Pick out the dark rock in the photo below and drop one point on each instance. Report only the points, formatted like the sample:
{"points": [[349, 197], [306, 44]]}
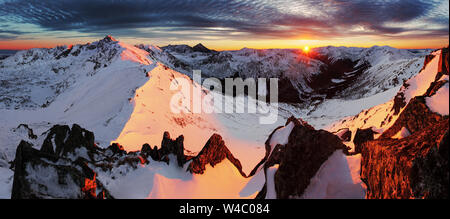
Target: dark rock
{"points": [[300, 159], [146, 148], [169, 146], [399, 102], [362, 136], [213, 153], [344, 134], [116, 148], [66, 140], [411, 167], [76, 180]]}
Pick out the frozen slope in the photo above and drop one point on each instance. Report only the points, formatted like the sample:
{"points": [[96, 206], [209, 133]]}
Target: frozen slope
{"points": [[122, 94], [128, 101]]}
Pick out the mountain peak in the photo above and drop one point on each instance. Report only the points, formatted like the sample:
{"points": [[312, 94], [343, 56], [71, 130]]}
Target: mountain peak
{"points": [[201, 48], [109, 38]]}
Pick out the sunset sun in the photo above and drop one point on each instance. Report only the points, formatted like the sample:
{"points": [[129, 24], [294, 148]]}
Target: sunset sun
{"points": [[223, 100], [306, 49]]}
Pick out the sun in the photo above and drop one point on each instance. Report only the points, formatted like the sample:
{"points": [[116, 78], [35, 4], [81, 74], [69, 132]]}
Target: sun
{"points": [[306, 49]]}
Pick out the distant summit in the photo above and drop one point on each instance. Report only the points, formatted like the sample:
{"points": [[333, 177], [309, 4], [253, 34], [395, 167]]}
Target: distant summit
{"points": [[187, 49], [201, 48], [109, 38]]}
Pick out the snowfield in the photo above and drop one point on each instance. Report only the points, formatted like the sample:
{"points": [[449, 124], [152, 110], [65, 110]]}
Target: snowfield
{"points": [[122, 94]]}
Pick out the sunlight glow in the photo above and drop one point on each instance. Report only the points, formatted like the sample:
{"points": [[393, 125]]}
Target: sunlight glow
{"points": [[306, 49]]}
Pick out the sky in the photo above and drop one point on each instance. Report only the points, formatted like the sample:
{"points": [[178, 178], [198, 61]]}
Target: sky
{"points": [[226, 25]]}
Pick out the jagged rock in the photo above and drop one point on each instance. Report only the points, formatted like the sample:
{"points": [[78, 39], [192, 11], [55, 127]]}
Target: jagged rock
{"points": [[116, 148], [412, 167], [300, 159], [66, 140], [146, 148], [362, 136], [213, 153], [27, 129], [415, 117], [38, 174], [153, 153], [344, 134], [169, 146]]}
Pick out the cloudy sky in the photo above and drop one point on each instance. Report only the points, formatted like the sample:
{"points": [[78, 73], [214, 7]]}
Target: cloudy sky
{"points": [[230, 24]]}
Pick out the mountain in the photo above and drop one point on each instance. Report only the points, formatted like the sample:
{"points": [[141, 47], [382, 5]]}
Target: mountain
{"points": [[329, 72], [95, 114], [404, 142]]}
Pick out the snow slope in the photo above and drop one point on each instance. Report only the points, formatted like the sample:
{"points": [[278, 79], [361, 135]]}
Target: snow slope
{"points": [[381, 116], [125, 100], [122, 93]]}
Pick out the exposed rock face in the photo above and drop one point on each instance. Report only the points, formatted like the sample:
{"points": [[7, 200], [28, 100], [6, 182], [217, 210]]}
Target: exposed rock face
{"points": [[412, 167], [361, 136], [415, 117], [415, 166], [344, 134], [168, 146], [62, 140], [213, 153], [300, 159], [66, 164], [42, 175]]}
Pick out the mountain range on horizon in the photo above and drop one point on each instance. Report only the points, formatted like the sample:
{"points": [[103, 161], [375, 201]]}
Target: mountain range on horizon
{"points": [[94, 121]]}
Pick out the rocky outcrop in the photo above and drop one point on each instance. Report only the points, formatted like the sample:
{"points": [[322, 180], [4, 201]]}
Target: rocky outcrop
{"points": [[300, 159], [412, 167], [362, 136], [168, 146], [38, 174], [61, 140], [213, 153], [344, 134], [415, 117], [66, 164]]}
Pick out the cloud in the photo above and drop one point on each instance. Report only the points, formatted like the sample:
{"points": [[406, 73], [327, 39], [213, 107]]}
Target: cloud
{"points": [[256, 18]]}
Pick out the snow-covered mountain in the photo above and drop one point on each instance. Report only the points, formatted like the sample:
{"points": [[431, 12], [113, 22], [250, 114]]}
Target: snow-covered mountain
{"points": [[121, 93], [349, 73]]}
